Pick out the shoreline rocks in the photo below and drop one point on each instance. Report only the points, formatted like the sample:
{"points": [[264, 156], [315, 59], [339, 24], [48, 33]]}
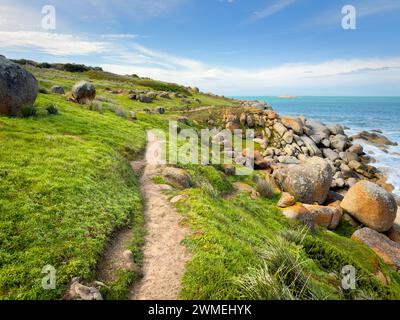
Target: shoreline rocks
{"points": [[371, 205]]}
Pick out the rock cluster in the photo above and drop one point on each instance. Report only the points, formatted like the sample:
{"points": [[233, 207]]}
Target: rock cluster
{"points": [[324, 176], [290, 140], [149, 96]]}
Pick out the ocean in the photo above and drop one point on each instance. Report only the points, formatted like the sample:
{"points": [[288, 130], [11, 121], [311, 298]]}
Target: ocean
{"points": [[356, 113]]}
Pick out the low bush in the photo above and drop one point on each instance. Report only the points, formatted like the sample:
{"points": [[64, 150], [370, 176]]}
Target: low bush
{"points": [[28, 112], [265, 188], [52, 110]]}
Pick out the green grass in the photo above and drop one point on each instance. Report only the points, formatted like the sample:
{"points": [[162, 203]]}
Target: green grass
{"points": [[65, 186], [66, 183], [233, 236]]}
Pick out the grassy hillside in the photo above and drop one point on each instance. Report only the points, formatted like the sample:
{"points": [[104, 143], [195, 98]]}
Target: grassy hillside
{"points": [[246, 249], [66, 183]]}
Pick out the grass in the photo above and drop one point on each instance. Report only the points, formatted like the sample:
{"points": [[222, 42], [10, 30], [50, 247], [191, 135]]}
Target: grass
{"points": [[66, 183], [246, 249], [66, 186]]}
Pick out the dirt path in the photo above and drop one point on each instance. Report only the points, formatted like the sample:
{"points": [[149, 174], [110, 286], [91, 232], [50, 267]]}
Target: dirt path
{"points": [[164, 255]]}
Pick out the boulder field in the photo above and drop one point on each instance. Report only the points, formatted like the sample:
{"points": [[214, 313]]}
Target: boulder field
{"points": [[324, 176]]}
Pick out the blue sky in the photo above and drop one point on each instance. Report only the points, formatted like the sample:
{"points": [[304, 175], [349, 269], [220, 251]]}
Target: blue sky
{"points": [[232, 47]]}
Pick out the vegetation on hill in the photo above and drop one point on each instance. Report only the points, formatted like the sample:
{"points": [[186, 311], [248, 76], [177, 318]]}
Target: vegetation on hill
{"points": [[67, 185]]}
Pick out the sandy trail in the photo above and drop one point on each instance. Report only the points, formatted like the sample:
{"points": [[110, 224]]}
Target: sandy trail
{"points": [[164, 256]]}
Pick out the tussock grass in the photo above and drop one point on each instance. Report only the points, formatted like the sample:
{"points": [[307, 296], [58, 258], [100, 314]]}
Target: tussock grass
{"points": [[281, 275]]}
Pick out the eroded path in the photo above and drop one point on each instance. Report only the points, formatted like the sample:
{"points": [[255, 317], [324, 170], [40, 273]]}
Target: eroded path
{"points": [[164, 256]]}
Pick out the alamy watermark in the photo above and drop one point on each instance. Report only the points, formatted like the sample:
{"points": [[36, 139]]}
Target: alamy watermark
{"points": [[49, 281], [49, 18], [205, 147], [349, 279], [349, 20]]}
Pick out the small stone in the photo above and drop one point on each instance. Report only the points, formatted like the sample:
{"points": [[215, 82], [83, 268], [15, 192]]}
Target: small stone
{"points": [[286, 200]]}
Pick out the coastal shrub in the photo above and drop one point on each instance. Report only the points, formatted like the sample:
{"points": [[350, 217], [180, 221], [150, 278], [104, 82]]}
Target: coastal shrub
{"points": [[121, 113], [280, 276], [217, 179], [96, 106], [297, 236], [75, 67], [208, 188], [332, 252], [28, 112], [265, 188], [162, 86], [103, 99], [52, 110]]}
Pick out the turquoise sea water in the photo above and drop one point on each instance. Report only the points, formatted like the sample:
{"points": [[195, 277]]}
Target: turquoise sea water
{"points": [[357, 113]]}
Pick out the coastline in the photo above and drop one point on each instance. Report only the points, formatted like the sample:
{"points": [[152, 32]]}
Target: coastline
{"points": [[356, 114]]}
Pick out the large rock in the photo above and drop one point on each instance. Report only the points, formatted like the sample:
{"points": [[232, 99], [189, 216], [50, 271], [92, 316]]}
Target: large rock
{"points": [[328, 217], [308, 182], [280, 129], [311, 146], [335, 129], [371, 205], [374, 138], [318, 128], [339, 142], [286, 200], [300, 213], [357, 149], [178, 176], [84, 92], [394, 233], [388, 250], [18, 88], [145, 99], [330, 154], [293, 123], [349, 156], [57, 90]]}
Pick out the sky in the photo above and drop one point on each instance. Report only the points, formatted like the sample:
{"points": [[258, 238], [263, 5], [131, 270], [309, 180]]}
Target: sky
{"points": [[230, 47]]}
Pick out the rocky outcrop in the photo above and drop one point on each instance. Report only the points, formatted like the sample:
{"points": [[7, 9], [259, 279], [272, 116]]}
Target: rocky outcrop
{"points": [[374, 138], [177, 176], [293, 140], [371, 205], [386, 249], [293, 123], [18, 88], [84, 92], [308, 182]]}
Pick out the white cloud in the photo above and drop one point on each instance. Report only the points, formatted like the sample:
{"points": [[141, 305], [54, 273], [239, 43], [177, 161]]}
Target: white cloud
{"points": [[50, 43], [271, 9], [18, 17], [339, 76]]}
